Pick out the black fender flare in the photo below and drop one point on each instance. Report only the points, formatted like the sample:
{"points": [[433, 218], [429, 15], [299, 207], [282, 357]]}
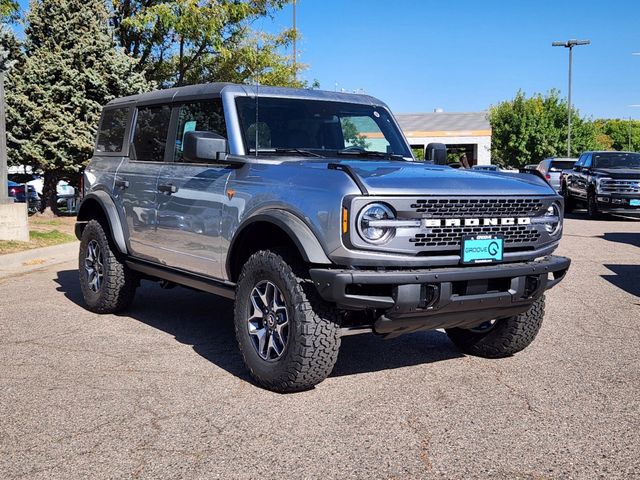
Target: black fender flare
{"points": [[111, 213], [297, 230]]}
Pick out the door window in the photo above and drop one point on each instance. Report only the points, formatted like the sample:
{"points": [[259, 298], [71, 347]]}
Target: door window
{"points": [[204, 116], [112, 128], [150, 135]]}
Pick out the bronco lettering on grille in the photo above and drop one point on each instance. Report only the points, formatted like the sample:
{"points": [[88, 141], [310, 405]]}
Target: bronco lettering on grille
{"points": [[474, 222]]}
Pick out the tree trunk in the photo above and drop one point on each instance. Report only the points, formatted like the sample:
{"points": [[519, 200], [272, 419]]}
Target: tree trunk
{"points": [[49, 191]]}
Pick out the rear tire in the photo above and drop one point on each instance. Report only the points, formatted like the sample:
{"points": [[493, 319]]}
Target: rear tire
{"points": [[504, 338], [569, 203], [288, 336], [107, 284]]}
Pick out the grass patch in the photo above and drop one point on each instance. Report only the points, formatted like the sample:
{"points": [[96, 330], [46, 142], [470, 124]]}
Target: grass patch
{"points": [[38, 239]]}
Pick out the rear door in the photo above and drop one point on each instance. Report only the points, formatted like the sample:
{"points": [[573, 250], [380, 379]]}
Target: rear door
{"points": [[136, 183], [193, 194]]}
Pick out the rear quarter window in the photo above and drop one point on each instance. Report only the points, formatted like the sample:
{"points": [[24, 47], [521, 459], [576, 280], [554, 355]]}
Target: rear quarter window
{"points": [[113, 126]]}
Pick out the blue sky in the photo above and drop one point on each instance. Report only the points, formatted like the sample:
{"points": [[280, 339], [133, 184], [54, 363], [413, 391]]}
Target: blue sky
{"points": [[467, 55]]}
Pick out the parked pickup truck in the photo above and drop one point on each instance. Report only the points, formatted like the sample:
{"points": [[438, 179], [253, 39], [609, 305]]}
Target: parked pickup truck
{"points": [[606, 182], [309, 210]]}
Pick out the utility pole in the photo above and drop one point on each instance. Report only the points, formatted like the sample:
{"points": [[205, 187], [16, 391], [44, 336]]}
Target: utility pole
{"points": [[4, 193], [295, 38], [570, 44]]}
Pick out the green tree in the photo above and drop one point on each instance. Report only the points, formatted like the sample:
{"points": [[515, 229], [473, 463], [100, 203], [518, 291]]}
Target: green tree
{"points": [[55, 93], [181, 42], [617, 134], [527, 130], [9, 10]]}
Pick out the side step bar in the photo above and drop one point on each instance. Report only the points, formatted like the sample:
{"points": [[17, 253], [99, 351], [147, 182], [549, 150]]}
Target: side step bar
{"points": [[197, 282]]}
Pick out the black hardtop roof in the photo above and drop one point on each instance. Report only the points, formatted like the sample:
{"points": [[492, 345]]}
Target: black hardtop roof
{"points": [[610, 151], [212, 90]]}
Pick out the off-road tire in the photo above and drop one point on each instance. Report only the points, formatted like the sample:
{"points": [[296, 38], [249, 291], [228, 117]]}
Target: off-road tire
{"points": [[119, 282], [507, 336], [569, 203], [592, 206], [313, 340]]}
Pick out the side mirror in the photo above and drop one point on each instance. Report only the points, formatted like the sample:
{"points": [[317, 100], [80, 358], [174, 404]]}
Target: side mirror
{"points": [[577, 168], [201, 146], [436, 153]]}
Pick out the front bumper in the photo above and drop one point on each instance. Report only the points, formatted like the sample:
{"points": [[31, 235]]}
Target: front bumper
{"points": [[617, 203], [427, 299]]}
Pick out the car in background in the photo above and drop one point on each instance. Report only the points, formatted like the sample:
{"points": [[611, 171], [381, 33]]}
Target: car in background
{"points": [[66, 194], [552, 168], [607, 182], [16, 191]]}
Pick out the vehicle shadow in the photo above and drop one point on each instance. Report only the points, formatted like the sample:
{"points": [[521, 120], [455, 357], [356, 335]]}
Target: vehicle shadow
{"points": [[205, 322], [626, 278], [609, 217], [622, 237]]}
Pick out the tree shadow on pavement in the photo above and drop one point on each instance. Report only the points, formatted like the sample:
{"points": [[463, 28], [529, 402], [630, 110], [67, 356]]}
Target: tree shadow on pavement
{"points": [[627, 278], [623, 237], [205, 322]]}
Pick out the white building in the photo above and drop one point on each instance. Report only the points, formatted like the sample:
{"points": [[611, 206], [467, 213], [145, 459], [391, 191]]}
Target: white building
{"points": [[468, 133]]}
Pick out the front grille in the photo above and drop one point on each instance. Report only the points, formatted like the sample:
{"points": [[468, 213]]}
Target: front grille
{"points": [[477, 207], [620, 186], [452, 236], [435, 226]]}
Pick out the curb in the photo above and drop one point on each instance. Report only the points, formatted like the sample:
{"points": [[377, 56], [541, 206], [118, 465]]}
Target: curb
{"points": [[29, 260]]}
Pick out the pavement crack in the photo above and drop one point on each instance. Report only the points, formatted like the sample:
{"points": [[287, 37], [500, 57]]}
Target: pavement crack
{"points": [[425, 442], [515, 392]]}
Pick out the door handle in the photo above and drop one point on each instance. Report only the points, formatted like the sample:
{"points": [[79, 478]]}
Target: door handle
{"points": [[167, 188], [121, 183]]}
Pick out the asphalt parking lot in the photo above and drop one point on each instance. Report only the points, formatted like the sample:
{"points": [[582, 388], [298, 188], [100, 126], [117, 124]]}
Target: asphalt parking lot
{"points": [[161, 391]]}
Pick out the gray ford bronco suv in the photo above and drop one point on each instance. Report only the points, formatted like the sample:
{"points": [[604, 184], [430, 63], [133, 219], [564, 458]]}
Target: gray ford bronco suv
{"points": [[309, 210]]}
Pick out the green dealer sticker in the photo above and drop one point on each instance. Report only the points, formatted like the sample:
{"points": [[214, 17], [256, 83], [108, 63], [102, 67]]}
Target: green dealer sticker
{"points": [[482, 249]]}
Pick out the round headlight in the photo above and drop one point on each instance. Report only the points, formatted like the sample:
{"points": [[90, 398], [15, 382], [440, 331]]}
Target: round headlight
{"points": [[367, 228], [553, 219]]}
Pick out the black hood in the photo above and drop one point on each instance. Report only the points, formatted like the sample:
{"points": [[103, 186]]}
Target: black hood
{"points": [[628, 173]]}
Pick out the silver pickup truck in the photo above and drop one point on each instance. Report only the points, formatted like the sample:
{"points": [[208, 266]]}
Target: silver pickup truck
{"points": [[308, 209]]}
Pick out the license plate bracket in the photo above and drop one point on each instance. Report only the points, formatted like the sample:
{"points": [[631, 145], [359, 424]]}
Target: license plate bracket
{"points": [[482, 249]]}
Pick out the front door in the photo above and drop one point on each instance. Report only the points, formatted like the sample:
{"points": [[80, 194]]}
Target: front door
{"points": [[136, 183], [193, 195]]}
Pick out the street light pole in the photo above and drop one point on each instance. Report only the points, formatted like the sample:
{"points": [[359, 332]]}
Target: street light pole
{"points": [[570, 44], [4, 193]]}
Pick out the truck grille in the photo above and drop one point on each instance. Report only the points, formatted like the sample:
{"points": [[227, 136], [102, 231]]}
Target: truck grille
{"points": [[477, 207], [452, 236], [620, 186], [435, 225]]}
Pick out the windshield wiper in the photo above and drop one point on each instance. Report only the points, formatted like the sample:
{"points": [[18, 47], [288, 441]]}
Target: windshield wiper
{"points": [[299, 151], [361, 152]]}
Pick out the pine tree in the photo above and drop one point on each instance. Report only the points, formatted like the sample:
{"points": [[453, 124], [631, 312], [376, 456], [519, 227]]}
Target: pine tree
{"points": [[71, 67]]}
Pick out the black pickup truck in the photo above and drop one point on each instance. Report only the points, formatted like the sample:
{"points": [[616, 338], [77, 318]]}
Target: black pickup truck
{"points": [[607, 182]]}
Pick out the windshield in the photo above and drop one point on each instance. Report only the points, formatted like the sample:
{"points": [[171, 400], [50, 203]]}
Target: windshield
{"points": [[562, 164], [321, 127], [616, 160]]}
